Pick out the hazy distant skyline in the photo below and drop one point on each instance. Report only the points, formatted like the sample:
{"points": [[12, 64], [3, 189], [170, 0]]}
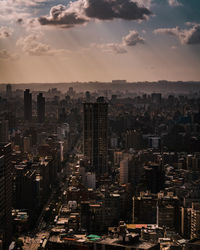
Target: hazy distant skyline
{"points": [[89, 40]]}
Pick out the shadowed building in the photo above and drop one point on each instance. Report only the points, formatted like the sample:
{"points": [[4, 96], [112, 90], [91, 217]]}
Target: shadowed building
{"points": [[95, 134], [5, 194], [154, 177], [145, 208], [8, 90], [40, 108], [27, 105], [4, 131]]}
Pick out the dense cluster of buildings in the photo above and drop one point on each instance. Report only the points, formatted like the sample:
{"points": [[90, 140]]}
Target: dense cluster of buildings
{"points": [[115, 172]]}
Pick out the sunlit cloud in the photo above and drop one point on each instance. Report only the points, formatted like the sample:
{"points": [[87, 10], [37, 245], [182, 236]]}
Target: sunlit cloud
{"points": [[132, 38], [111, 47], [66, 17], [186, 36], [31, 46], [5, 32], [174, 3], [144, 3]]}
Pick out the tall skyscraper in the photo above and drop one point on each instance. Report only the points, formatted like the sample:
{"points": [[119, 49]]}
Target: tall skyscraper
{"points": [[9, 90], [40, 107], [95, 134], [5, 194], [27, 105]]}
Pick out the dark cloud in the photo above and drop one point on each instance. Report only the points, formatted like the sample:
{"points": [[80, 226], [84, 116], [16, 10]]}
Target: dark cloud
{"points": [[20, 20], [68, 20], [82, 11], [193, 35], [186, 36], [107, 9]]}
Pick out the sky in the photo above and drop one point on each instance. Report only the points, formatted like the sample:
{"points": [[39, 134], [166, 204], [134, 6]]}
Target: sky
{"points": [[99, 40]]}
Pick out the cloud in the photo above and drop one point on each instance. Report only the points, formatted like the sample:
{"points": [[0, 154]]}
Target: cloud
{"points": [[117, 48], [174, 3], [106, 10], [111, 47], [82, 11], [29, 24], [25, 3], [5, 32], [190, 23], [170, 31], [61, 15], [12, 10], [20, 20], [186, 36], [144, 3], [32, 46], [132, 38], [6, 55]]}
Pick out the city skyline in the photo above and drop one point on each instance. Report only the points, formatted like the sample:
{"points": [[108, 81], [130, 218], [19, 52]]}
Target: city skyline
{"points": [[99, 168], [58, 41]]}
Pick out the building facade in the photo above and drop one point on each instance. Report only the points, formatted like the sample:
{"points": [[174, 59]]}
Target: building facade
{"points": [[40, 108], [27, 105], [5, 194], [95, 135]]}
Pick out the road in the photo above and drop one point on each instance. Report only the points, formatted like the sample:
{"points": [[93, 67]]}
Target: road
{"points": [[36, 237], [34, 243]]}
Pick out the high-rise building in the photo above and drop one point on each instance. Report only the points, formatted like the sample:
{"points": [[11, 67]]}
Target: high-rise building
{"points": [[27, 105], [5, 194], [4, 131], [154, 177], [40, 107], [26, 193], [195, 220], [95, 134], [168, 211], [186, 222], [8, 90], [145, 208], [124, 171]]}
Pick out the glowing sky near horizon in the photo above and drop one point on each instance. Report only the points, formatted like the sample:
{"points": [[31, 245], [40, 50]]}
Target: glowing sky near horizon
{"points": [[99, 40]]}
